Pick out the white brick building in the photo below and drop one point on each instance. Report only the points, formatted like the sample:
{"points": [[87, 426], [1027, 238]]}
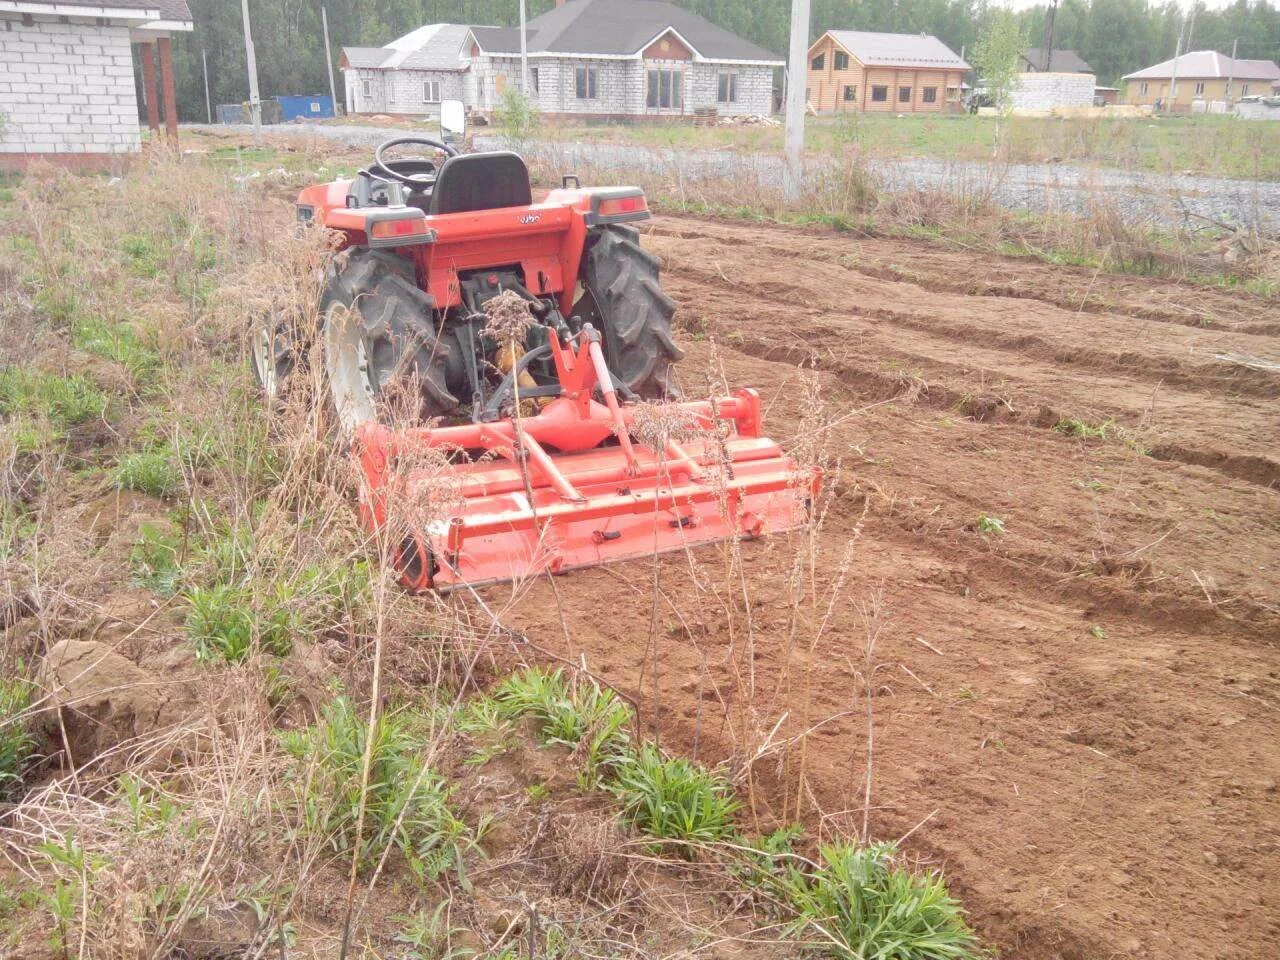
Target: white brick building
{"points": [[587, 58], [66, 76], [410, 75]]}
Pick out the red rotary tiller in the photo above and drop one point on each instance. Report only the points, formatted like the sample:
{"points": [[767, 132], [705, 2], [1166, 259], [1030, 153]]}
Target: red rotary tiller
{"points": [[572, 485]]}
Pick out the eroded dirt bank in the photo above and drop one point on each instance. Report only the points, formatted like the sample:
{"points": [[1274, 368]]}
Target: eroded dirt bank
{"points": [[1077, 717]]}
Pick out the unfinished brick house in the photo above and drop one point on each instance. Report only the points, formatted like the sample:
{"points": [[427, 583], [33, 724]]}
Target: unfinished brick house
{"points": [[605, 59], [66, 77], [853, 70]]}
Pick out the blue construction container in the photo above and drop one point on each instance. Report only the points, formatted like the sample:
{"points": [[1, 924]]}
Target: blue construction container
{"points": [[305, 108]]}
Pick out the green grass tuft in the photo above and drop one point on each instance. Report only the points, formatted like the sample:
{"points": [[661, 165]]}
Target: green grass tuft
{"points": [[225, 623], [153, 559], [17, 745], [63, 401], [861, 904], [406, 807], [152, 471], [1073, 427], [586, 717], [987, 524], [673, 798]]}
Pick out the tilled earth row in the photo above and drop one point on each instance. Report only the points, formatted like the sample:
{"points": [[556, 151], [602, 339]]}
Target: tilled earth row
{"points": [[1075, 717]]}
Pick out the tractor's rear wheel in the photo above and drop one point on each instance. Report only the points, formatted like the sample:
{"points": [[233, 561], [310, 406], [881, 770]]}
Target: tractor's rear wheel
{"points": [[381, 344], [624, 300], [271, 353]]}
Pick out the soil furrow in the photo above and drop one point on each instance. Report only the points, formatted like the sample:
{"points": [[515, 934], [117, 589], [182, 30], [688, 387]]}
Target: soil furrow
{"points": [[999, 394], [935, 268]]}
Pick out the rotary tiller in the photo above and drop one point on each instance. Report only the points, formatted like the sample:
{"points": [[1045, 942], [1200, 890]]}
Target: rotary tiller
{"points": [[549, 460]]}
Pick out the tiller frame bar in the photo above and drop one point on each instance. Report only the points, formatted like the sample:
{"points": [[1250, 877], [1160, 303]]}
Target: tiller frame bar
{"points": [[519, 509]]}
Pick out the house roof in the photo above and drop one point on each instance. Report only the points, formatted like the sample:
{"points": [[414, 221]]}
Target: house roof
{"points": [[1209, 64], [436, 46], [620, 28], [1064, 61], [156, 14], [1266, 69], [174, 10], [898, 49]]}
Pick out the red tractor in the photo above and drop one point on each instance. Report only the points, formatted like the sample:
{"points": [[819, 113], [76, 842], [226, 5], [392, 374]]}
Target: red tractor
{"points": [[427, 246]]}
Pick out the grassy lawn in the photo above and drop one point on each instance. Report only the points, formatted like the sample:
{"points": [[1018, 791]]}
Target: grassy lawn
{"points": [[1219, 146]]}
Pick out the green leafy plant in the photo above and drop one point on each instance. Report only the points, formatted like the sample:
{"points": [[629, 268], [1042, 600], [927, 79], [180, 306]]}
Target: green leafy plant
{"points": [[860, 903], [225, 623], [17, 745], [429, 937], [672, 798], [406, 805], [1074, 427], [584, 716], [154, 558], [517, 117], [995, 58], [987, 524]]}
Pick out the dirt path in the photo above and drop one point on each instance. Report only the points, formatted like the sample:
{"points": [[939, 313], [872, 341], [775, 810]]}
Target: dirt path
{"points": [[1077, 718]]}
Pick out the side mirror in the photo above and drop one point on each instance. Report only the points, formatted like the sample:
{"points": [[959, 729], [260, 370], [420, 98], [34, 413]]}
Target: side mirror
{"points": [[453, 121]]}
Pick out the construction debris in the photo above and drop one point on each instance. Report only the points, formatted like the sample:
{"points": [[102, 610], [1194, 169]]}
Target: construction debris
{"points": [[748, 120]]}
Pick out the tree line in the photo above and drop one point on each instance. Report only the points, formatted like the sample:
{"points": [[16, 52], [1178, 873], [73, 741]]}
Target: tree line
{"points": [[1115, 36]]}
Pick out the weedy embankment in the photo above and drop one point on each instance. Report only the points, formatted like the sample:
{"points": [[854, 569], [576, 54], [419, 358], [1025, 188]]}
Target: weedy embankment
{"points": [[225, 730]]}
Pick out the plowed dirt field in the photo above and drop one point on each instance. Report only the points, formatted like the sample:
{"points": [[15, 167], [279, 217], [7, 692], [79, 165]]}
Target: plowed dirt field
{"points": [[1075, 717]]}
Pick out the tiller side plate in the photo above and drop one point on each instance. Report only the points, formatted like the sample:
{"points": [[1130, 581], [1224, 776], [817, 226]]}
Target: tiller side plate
{"points": [[570, 487]]}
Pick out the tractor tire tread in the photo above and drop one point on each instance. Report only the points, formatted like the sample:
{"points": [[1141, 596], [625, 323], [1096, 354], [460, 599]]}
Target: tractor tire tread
{"points": [[634, 313]]}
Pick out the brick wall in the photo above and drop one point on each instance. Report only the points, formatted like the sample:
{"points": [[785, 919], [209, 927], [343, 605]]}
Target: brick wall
{"points": [[1044, 91], [622, 86], [402, 91], [67, 88]]}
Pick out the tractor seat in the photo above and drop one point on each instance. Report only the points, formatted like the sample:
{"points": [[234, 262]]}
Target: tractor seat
{"points": [[481, 181]]}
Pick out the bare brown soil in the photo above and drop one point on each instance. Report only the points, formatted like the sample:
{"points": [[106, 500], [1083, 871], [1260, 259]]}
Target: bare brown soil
{"points": [[1077, 717]]}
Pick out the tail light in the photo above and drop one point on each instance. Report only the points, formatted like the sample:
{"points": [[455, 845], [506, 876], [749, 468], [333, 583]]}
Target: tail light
{"points": [[398, 227], [618, 206]]}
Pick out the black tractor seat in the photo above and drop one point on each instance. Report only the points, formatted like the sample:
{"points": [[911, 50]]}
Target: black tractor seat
{"points": [[479, 181]]}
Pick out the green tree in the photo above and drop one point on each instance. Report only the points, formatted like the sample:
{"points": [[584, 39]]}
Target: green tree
{"points": [[995, 57]]}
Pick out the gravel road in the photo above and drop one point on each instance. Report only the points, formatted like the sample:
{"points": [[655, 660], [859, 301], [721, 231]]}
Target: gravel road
{"points": [[1138, 197]]}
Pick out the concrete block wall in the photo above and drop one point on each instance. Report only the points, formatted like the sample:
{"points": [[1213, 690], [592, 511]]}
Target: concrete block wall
{"points": [[755, 89], [621, 86], [1044, 91], [67, 88]]}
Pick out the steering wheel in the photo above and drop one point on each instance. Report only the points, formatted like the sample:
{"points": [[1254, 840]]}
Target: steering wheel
{"points": [[420, 173]]}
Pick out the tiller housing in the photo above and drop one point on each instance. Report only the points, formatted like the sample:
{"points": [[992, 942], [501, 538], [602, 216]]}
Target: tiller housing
{"points": [[571, 488], [532, 455]]}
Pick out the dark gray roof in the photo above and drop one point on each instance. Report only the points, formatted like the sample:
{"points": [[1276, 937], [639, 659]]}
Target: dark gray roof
{"points": [[174, 10], [367, 56], [1064, 61], [620, 28], [898, 49]]}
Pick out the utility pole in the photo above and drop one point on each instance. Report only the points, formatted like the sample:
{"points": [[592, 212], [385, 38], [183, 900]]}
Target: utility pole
{"points": [[797, 76], [255, 105], [208, 104], [1048, 45], [524, 54], [1173, 78], [328, 58], [1231, 71]]}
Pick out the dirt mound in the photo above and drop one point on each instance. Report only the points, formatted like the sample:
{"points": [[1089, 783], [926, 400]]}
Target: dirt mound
{"points": [[103, 701]]}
